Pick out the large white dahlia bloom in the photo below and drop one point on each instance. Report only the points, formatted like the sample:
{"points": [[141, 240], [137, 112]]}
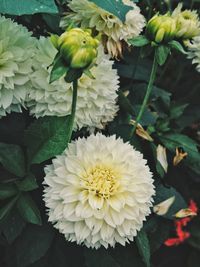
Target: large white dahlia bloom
{"points": [[16, 50], [96, 101], [194, 51], [99, 191], [89, 15]]}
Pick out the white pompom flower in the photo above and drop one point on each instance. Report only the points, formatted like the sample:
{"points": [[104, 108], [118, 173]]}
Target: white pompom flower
{"points": [[99, 191], [187, 22], [113, 30], [96, 100], [17, 48], [194, 51]]}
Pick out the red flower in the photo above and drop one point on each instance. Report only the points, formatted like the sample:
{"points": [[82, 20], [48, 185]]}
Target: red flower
{"points": [[179, 224], [172, 242]]}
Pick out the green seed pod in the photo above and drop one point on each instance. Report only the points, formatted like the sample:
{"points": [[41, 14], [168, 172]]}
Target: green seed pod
{"points": [[161, 28], [78, 48]]}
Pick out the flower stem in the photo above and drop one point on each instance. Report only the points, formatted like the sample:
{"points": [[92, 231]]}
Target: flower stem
{"points": [[148, 93], [73, 110]]}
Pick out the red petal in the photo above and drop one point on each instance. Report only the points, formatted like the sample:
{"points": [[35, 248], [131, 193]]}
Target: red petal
{"points": [[193, 206], [172, 242], [185, 221]]}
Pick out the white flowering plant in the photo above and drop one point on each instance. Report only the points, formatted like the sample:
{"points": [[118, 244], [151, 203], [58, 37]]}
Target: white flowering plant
{"points": [[99, 133]]}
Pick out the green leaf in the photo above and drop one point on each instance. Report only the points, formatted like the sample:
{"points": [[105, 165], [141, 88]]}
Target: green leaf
{"points": [[46, 138], [12, 158], [148, 117], [12, 128], [160, 170], [163, 193], [177, 46], [162, 53], [132, 70], [115, 7], [139, 41], [21, 7], [33, 244], [99, 258], [160, 93], [7, 190], [28, 184], [13, 226], [177, 110], [28, 209], [179, 140], [125, 104], [146, 51], [159, 233], [59, 69], [5, 210], [171, 141], [143, 246]]}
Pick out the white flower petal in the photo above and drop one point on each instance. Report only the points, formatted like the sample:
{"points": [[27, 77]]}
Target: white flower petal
{"points": [[96, 100], [17, 49], [110, 26], [109, 200], [162, 157], [163, 207]]}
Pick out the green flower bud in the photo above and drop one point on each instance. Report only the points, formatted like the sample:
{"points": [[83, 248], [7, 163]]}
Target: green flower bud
{"points": [[187, 23], [78, 48], [161, 28], [54, 40]]}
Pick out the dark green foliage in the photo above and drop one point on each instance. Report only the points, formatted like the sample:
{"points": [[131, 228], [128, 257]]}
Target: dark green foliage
{"points": [[46, 138], [21, 7], [171, 118]]}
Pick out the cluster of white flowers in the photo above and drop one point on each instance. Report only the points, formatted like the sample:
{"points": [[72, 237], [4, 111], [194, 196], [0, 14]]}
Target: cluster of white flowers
{"points": [[96, 101], [17, 49], [99, 191], [113, 30], [24, 81]]}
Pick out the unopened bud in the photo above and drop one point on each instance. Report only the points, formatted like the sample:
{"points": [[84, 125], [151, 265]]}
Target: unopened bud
{"points": [[78, 48], [161, 28]]}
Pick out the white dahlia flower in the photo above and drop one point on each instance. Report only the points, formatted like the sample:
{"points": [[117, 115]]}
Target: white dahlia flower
{"points": [[194, 51], [187, 22], [16, 50], [113, 30], [96, 101], [99, 191]]}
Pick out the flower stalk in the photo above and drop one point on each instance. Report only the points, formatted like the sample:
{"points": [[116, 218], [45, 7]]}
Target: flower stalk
{"points": [[148, 93], [73, 110]]}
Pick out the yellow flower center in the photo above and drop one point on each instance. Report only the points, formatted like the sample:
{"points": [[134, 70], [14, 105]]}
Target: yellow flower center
{"points": [[102, 181], [187, 15]]}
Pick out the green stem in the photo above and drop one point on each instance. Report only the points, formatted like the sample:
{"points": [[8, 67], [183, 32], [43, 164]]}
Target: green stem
{"points": [[73, 109], [148, 92]]}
